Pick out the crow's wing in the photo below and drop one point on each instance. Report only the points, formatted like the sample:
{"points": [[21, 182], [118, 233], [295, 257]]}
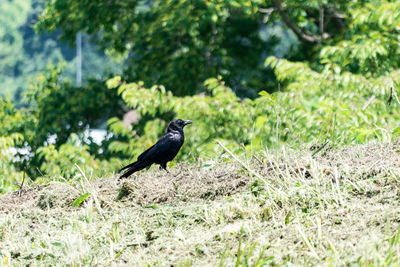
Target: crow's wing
{"points": [[163, 146], [161, 149]]}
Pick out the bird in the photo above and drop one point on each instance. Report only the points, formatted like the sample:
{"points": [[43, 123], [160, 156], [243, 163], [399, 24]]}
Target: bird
{"points": [[161, 152]]}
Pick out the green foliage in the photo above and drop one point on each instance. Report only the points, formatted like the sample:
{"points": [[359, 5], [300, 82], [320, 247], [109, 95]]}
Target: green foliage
{"points": [[80, 199], [338, 106], [8, 175], [25, 54], [11, 40], [9, 118], [347, 99], [333, 104], [52, 127], [62, 161], [175, 43], [61, 109], [371, 45], [62, 112], [244, 255], [215, 114], [309, 111]]}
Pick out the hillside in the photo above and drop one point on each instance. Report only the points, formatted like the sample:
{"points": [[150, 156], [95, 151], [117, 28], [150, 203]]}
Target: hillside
{"points": [[341, 206]]}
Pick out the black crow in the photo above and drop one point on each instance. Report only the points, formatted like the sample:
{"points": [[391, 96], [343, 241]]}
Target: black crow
{"points": [[163, 151]]}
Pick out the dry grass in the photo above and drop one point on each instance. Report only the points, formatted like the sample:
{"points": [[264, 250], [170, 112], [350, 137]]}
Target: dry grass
{"points": [[341, 207]]}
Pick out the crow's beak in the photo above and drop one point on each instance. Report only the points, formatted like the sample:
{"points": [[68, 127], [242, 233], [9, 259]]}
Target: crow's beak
{"points": [[188, 122]]}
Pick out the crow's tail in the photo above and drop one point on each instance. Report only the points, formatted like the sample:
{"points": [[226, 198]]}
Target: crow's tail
{"points": [[127, 166], [133, 167]]}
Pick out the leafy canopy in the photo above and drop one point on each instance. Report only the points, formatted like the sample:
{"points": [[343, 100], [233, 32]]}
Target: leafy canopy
{"points": [[175, 43]]}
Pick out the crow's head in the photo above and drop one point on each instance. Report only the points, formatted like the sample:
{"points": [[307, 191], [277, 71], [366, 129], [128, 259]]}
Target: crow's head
{"points": [[177, 124]]}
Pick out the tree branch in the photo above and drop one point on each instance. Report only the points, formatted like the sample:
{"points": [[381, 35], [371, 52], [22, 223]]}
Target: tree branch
{"points": [[303, 36]]}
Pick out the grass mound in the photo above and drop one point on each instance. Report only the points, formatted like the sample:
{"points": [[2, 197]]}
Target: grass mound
{"points": [[339, 207], [184, 183]]}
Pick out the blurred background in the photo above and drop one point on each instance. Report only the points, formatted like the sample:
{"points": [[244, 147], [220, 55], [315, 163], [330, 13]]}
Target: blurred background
{"points": [[93, 82]]}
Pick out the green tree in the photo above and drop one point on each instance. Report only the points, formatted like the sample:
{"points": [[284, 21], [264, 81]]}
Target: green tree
{"points": [[24, 54], [13, 16], [175, 43], [55, 118], [357, 75], [11, 136], [347, 93], [181, 43]]}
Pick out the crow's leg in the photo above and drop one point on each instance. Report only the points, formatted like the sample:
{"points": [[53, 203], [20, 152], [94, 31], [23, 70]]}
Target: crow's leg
{"points": [[164, 166]]}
